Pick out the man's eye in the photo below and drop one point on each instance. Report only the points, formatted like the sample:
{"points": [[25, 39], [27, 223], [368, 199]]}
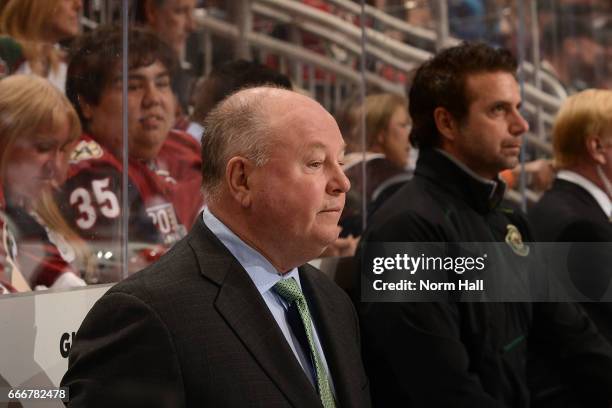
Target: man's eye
{"points": [[315, 164], [163, 83]]}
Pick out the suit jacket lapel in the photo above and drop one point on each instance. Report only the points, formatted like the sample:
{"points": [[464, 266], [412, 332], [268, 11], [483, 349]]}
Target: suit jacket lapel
{"points": [[333, 335], [245, 311]]}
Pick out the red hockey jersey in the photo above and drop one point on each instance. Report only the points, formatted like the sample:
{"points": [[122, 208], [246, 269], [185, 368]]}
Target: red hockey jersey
{"points": [[160, 209]]}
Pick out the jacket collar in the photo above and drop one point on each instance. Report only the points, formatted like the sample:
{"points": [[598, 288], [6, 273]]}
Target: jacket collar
{"points": [[447, 172]]}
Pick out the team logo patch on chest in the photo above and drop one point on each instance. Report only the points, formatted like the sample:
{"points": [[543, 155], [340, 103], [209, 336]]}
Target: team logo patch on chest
{"points": [[515, 241], [85, 150]]}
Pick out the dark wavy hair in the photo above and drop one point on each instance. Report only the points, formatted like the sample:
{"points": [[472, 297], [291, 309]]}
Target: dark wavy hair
{"points": [[441, 82]]}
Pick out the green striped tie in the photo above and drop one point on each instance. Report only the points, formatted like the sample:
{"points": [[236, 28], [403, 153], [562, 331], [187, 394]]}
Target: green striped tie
{"points": [[290, 291]]}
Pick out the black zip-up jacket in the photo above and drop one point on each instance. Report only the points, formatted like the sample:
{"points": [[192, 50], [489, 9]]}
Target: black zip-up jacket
{"points": [[460, 354]]}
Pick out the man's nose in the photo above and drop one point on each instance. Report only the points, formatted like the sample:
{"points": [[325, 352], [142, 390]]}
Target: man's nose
{"points": [[519, 125], [339, 183]]}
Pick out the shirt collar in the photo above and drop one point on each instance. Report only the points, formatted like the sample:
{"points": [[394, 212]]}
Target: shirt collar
{"points": [[263, 274], [597, 193]]}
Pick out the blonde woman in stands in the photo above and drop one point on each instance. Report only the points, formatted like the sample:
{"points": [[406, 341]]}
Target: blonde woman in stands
{"points": [[387, 150], [38, 128], [30, 32]]}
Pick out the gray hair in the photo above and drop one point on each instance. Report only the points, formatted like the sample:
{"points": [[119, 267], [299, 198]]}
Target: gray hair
{"points": [[238, 126]]}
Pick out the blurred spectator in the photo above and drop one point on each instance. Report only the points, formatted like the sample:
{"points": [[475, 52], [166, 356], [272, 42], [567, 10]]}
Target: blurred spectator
{"points": [[172, 21], [420, 14], [38, 128], [468, 19], [164, 165], [226, 79], [571, 52], [30, 32], [385, 157]]}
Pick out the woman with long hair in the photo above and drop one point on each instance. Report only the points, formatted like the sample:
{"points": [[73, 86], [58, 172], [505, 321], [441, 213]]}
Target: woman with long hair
{"points": [[38, 129], [30, 32]]}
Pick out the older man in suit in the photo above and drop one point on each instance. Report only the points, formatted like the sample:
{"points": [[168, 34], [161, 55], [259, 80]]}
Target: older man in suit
{"points": [[578, 207], [231, 316]]}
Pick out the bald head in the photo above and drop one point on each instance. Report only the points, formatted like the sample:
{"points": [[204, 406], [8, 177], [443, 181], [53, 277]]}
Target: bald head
{"points": [[273, 105], [247, 124], [273, 164]]}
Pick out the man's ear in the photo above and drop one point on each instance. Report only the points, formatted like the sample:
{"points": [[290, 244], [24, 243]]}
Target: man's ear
{"points": [[446, 123], [237, 173], [595, 149]]}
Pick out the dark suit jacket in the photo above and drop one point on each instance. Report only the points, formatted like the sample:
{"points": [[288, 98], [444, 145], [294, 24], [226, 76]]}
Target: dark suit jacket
{"points": [[565, 212], [193, 331], [568, 213]]}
